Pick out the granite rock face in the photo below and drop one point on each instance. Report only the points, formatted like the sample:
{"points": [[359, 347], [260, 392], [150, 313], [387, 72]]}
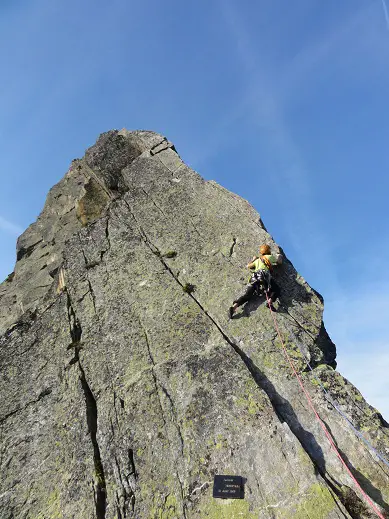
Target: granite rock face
{"points": [[125, 387]]}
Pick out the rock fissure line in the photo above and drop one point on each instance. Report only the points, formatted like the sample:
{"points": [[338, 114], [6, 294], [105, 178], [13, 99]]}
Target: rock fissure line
{"points": [[91, 292], [132, 463], [74, 324], [29, 348], [116, 412], [167, 167], [90, 287], [300, 325], [156, 384], [104, 251], [156, 387], [184, 507], [197, 232], [93, 297], [107, 235], [91, 413], [43, 393], [163, 141], [232, 246], [153, 201], [165, 392], [87, 264], [258, 223], [308, 322], [128, 488], [43, 286], [373, 493], [263, 496], [3, 447]]}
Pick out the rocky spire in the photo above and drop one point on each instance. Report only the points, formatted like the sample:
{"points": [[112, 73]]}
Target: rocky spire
{"points": [[125, 387]]}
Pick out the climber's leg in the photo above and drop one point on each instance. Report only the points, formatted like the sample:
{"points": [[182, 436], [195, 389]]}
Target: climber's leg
{"points": [[250, 290], [273, 294]]}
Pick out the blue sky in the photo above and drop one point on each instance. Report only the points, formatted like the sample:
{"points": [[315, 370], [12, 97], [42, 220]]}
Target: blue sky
{"points": [[284, 103]]}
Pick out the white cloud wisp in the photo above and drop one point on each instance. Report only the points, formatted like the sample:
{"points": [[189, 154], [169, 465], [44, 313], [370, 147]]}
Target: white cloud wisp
{"points": [[386, 14], [357, 324], [10, 227]]}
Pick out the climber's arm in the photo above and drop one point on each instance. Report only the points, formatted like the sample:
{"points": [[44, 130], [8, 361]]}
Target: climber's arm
{"points": [[251, 265]]}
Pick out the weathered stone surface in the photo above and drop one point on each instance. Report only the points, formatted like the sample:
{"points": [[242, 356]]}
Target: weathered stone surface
{"points": [[124, 392]]}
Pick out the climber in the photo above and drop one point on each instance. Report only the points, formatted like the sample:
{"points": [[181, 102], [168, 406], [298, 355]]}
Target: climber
{"points": [[260, 279]]}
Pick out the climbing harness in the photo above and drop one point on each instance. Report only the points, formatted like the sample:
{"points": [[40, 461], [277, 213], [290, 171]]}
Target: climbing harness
{"points": [[321, 423], [261, 278]]}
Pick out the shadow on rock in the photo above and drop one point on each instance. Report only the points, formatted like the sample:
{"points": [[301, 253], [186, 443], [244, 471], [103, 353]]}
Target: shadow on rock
{"points": [[251, 306], [286, 414]]}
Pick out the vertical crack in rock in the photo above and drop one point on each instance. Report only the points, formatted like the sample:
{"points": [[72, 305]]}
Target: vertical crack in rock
{"points": [[157, 383], [131, 478], [83, 252], [103, 252], [172, 408], [125, 493], [154, 375], [126, 498], [153, 201], [115, 398], [74, 323], [282, 408], [91, 416], [132, 462], [91, 413], [92, 295], [232, 246], [107, 233], [2, 445]]}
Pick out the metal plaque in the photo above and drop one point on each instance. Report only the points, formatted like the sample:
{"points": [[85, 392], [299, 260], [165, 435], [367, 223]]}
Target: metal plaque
{"points": [[228, 487]]}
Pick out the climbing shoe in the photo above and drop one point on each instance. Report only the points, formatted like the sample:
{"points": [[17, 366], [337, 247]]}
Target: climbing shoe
{"points": [[271, 307], [231, 312]]}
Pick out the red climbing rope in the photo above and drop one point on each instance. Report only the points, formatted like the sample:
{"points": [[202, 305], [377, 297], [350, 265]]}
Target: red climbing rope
{"points": [[311, 405]]}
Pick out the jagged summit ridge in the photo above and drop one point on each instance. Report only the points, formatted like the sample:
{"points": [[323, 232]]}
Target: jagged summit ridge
{"points": [[79, 198], [123, 392]]}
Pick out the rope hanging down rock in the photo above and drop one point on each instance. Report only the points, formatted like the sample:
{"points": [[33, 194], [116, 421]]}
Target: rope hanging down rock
{"points": [[336, 406], [322, 425]]}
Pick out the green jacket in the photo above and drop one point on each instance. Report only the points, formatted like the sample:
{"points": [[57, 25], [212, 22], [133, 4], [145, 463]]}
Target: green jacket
{"points": [[259, 265]]}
